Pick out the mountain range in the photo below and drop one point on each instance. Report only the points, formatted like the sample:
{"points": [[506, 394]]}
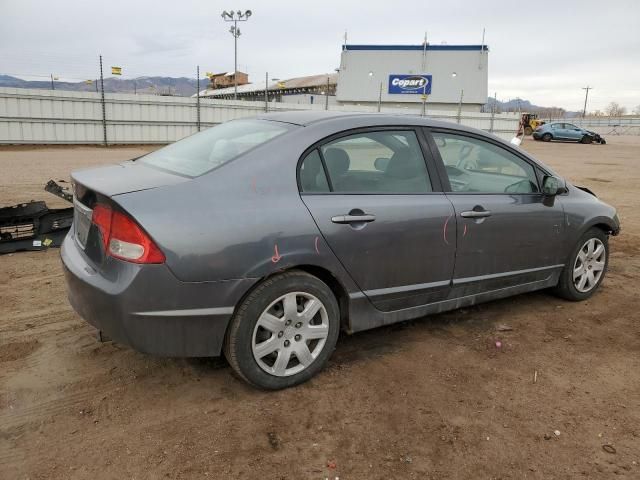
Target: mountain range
{"points": [[180, 86]]}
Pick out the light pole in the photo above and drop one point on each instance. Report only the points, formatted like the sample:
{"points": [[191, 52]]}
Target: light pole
{"points": [[235, 17]]}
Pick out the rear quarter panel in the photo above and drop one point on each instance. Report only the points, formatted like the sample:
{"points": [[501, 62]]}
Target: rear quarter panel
{"points": [[244, 220]]}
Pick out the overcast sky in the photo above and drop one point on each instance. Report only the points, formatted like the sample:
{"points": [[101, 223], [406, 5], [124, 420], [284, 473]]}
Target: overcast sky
{"points": [[543, 51]]}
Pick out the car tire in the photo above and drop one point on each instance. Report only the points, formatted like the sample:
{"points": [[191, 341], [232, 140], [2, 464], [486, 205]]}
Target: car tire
{"points": [[586, 139], [270, 329], [547, 137], [581, 261]]}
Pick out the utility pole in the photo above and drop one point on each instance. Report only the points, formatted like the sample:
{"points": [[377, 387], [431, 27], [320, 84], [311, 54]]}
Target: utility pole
{"points": [[235, 17], [460, 105], [380, 97], [493, 111], [586, 96], [424, 100], [266, 91], [104, 109], [425, 44], [52, 85], [198, 95], [326, 100]]}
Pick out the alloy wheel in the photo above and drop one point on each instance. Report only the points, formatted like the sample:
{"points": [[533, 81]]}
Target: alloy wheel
{"points": [[290, 334], [589, 265]]}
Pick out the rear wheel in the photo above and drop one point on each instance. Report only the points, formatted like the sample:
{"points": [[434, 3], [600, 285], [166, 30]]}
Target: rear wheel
{"points": [[586, 139], [528, 130], [547, 137], [586, 268], [284, 332]]}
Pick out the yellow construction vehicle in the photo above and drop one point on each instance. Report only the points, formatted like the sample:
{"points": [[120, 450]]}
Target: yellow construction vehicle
{"points": [[530, 121]]}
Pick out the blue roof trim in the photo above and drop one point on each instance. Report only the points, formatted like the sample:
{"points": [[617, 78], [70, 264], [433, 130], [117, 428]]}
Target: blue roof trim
{"points": [[417, 47]]}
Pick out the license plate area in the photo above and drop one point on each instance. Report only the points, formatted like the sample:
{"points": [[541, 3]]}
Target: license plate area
{"points": [[82, 222]]}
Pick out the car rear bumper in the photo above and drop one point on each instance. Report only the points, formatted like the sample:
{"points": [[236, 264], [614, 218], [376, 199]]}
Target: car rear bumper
{"points": [[148, 308], [536, 135]]}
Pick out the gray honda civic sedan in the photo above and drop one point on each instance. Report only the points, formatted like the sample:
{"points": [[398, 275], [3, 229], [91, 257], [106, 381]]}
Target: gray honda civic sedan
{"points": [[266, 238]]}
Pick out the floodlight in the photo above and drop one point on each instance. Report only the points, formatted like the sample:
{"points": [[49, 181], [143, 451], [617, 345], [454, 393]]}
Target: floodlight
{"points": [[247, 13]]}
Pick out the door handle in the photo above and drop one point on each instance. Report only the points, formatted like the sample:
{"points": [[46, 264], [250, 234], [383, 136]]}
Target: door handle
{"points": [[364, 218], [476, 214]]}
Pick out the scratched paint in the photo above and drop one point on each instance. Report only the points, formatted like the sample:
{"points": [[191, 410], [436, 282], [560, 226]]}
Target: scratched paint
{"points": [[276, 256], [464, 233], [316, 244]]}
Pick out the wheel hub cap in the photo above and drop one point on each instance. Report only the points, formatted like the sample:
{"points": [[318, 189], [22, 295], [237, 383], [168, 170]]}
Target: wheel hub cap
{"points": [[589, 265], [290, 334]]}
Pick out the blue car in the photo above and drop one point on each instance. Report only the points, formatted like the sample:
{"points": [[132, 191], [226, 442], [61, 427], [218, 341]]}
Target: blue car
{"points": [[566, 131]]}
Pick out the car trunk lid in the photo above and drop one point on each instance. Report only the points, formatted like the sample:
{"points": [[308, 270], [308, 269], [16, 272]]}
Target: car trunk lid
{"points": [[103, 185], [126, 177]]}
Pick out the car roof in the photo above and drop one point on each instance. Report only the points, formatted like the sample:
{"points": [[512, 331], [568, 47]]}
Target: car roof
{"points": [[309, 117]]}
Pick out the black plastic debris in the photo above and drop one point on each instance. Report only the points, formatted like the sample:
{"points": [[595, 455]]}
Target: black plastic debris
{"points": [[33, 225]]}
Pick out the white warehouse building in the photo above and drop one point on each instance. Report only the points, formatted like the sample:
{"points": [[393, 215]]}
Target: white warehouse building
{"points": [[400, 75]]}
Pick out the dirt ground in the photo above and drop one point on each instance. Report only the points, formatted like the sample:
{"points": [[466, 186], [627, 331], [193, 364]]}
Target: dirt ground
{"points": [[429, 399]]}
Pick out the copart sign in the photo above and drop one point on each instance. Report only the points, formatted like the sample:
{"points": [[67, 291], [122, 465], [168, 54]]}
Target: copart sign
{"points": [[416, 84]]}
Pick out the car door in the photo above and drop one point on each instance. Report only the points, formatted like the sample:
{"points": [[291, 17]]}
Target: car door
{"points": [[572, 132], [380, 207], [558, 131], [509, 233]]}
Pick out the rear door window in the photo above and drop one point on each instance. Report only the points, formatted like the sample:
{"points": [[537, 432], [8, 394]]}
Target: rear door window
{"points": [[388, 162], [312, 176]]}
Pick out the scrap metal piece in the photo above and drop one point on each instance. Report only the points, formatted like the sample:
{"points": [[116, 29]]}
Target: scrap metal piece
{"points": [[58, 190]]}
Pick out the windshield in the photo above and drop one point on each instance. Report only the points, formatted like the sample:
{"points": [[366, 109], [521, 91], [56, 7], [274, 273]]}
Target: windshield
{"points": [[204, 151]]}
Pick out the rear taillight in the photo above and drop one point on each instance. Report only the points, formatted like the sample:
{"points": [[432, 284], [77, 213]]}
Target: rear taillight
{"points": [[123, 238]]}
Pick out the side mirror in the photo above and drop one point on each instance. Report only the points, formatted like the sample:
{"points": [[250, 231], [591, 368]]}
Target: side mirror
{"points": [[552, 186], [381, 164]]}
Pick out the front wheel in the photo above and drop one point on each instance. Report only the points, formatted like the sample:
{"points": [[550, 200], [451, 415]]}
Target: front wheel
{"points": [[547, 137], [586, 139], [586, 268], [284, 332]]}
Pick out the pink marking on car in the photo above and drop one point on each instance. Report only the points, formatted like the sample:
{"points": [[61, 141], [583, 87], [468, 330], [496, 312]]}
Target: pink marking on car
{"points": [[444, 229], [276, 257]]}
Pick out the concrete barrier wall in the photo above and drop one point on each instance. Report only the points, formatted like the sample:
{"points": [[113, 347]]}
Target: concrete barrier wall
{"points": [[30, 116]]}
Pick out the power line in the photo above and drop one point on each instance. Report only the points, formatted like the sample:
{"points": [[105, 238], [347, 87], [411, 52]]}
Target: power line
{"points": [[586, 96]]}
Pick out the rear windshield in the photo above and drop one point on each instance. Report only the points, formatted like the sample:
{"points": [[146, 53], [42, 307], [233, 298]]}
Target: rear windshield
{"points": [[204, 151]]}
